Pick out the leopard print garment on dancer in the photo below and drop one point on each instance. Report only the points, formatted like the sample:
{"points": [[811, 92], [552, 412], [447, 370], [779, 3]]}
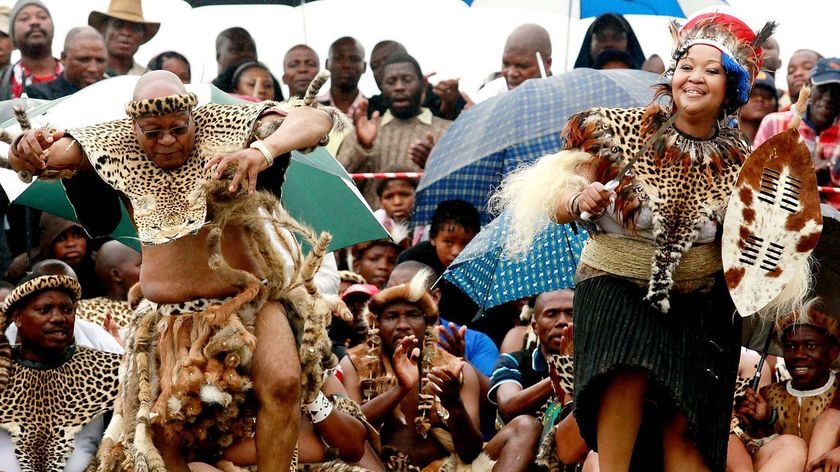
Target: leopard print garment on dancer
{"points": [[167, 204], [44, 409], [684, 181]]}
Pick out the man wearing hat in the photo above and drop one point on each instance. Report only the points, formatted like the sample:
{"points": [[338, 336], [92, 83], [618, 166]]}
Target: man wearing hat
{"points": [[764, 99], [31, 29], [5, 40], [125, 30], [424, 399], [820, 127]]}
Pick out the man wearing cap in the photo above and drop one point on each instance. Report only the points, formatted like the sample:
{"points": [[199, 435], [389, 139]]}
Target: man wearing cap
{"points": [[820, 127], [124, 29], [31, 29], [764, 99]]}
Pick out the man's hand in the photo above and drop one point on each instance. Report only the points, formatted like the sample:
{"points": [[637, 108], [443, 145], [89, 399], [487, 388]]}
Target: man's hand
{"points": [[452, 339], [752, 407], [405, 360], [247, 162], [828, 462], [366, 129], [447, 384], [111, 327], [33, 149], [566, 341], [420, 150], [447, 91]]}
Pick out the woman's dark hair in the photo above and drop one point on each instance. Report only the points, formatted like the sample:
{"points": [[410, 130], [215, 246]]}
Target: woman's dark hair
{"points": [[226, 81], [455, 211], [156, 63]]}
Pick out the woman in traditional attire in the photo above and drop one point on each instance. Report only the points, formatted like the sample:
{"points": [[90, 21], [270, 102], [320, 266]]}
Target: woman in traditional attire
{"points": [[656, 338]]}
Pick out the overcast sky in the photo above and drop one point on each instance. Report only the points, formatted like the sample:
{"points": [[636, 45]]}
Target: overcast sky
{"points": [[444, 35]]}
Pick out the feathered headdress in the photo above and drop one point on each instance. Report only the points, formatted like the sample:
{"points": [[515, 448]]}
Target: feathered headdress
{"points": [[739, 46], [413, 292]]}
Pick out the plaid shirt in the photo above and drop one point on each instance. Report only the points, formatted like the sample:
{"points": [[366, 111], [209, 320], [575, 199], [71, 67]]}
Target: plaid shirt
{"points": [[824, 147]]}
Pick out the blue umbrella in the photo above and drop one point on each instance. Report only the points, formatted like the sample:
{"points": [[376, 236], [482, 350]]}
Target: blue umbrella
{"points": [[487, 275], [590, 8], [497, 135]]}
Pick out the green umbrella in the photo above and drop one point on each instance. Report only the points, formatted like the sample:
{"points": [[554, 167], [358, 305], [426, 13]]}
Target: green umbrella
{"points": [[317, 192]]}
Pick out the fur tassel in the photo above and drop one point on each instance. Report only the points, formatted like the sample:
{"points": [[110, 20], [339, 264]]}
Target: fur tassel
{"points": [[533, 193], [800, 106], [418, 285]]}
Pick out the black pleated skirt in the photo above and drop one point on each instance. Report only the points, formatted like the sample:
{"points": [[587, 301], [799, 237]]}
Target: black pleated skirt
{"points": [[690, 354]]}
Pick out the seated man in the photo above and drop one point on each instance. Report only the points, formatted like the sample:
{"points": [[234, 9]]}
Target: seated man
{"points": [[211, 288], [384, 376], [780, 418], [55, 393], [521, 385]]}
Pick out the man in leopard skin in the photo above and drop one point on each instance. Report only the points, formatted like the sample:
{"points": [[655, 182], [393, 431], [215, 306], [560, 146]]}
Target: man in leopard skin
{"points": [[221, 270], [780, 417], [55, 393]]}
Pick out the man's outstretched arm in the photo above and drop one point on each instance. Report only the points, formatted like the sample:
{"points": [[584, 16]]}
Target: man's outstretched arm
{"points": [[303, 127], [40, 149]]}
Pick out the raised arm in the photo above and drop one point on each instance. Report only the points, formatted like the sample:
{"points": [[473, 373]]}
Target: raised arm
{"points": [[41, 150], [303, 127]]}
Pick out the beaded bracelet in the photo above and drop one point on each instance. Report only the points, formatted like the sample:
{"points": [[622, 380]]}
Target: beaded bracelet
{"points": [[573, 206]]}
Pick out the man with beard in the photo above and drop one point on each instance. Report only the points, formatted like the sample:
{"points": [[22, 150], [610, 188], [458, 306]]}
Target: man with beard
{"points": [[31, 29], [124, 29], [83, 58], [405, 134], [346, 63]]}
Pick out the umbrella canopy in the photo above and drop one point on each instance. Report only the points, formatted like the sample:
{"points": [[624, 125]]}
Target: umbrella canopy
{"points": [[208, 3], [336, 206], [497, 135], [590, 8], [485, 273]]}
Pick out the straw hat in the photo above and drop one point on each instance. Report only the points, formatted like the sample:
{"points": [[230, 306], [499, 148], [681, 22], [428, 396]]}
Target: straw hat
{"points": [[126, 10], [4, 19]]}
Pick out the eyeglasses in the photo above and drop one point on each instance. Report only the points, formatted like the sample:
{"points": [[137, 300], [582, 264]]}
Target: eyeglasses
{"points": [[156, 134]]}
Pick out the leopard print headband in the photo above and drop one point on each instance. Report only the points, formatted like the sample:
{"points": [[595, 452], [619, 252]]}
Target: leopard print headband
{"points": [[161, 105], [38, 284]]}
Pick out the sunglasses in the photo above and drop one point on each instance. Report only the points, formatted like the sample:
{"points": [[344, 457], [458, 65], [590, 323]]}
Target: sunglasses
{"points": [[158, 133]]}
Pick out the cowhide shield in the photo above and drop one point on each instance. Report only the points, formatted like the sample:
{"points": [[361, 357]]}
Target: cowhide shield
{"points": [[773, 221]]}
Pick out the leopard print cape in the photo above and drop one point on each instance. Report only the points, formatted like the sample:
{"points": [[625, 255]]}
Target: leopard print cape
{"points": [[44, 409], [95, 310], [684, 181], [167, 204]]}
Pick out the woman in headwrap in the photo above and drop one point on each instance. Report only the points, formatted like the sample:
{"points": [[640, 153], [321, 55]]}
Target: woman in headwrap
{"points": [[656, 343], [609, 31]]}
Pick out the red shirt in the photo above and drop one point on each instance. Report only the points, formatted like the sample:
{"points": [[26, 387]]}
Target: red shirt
{"points": [[22, 77]]}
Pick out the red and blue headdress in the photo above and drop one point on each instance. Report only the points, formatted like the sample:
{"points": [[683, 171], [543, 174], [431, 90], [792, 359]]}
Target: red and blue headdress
{"points": [[739, 46]]}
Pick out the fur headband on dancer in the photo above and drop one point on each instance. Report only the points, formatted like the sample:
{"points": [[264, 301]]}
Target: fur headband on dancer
{"points": [[161, 105]]}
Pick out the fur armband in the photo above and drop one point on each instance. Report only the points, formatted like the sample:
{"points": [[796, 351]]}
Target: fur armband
{"points": [[319, 409]]}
